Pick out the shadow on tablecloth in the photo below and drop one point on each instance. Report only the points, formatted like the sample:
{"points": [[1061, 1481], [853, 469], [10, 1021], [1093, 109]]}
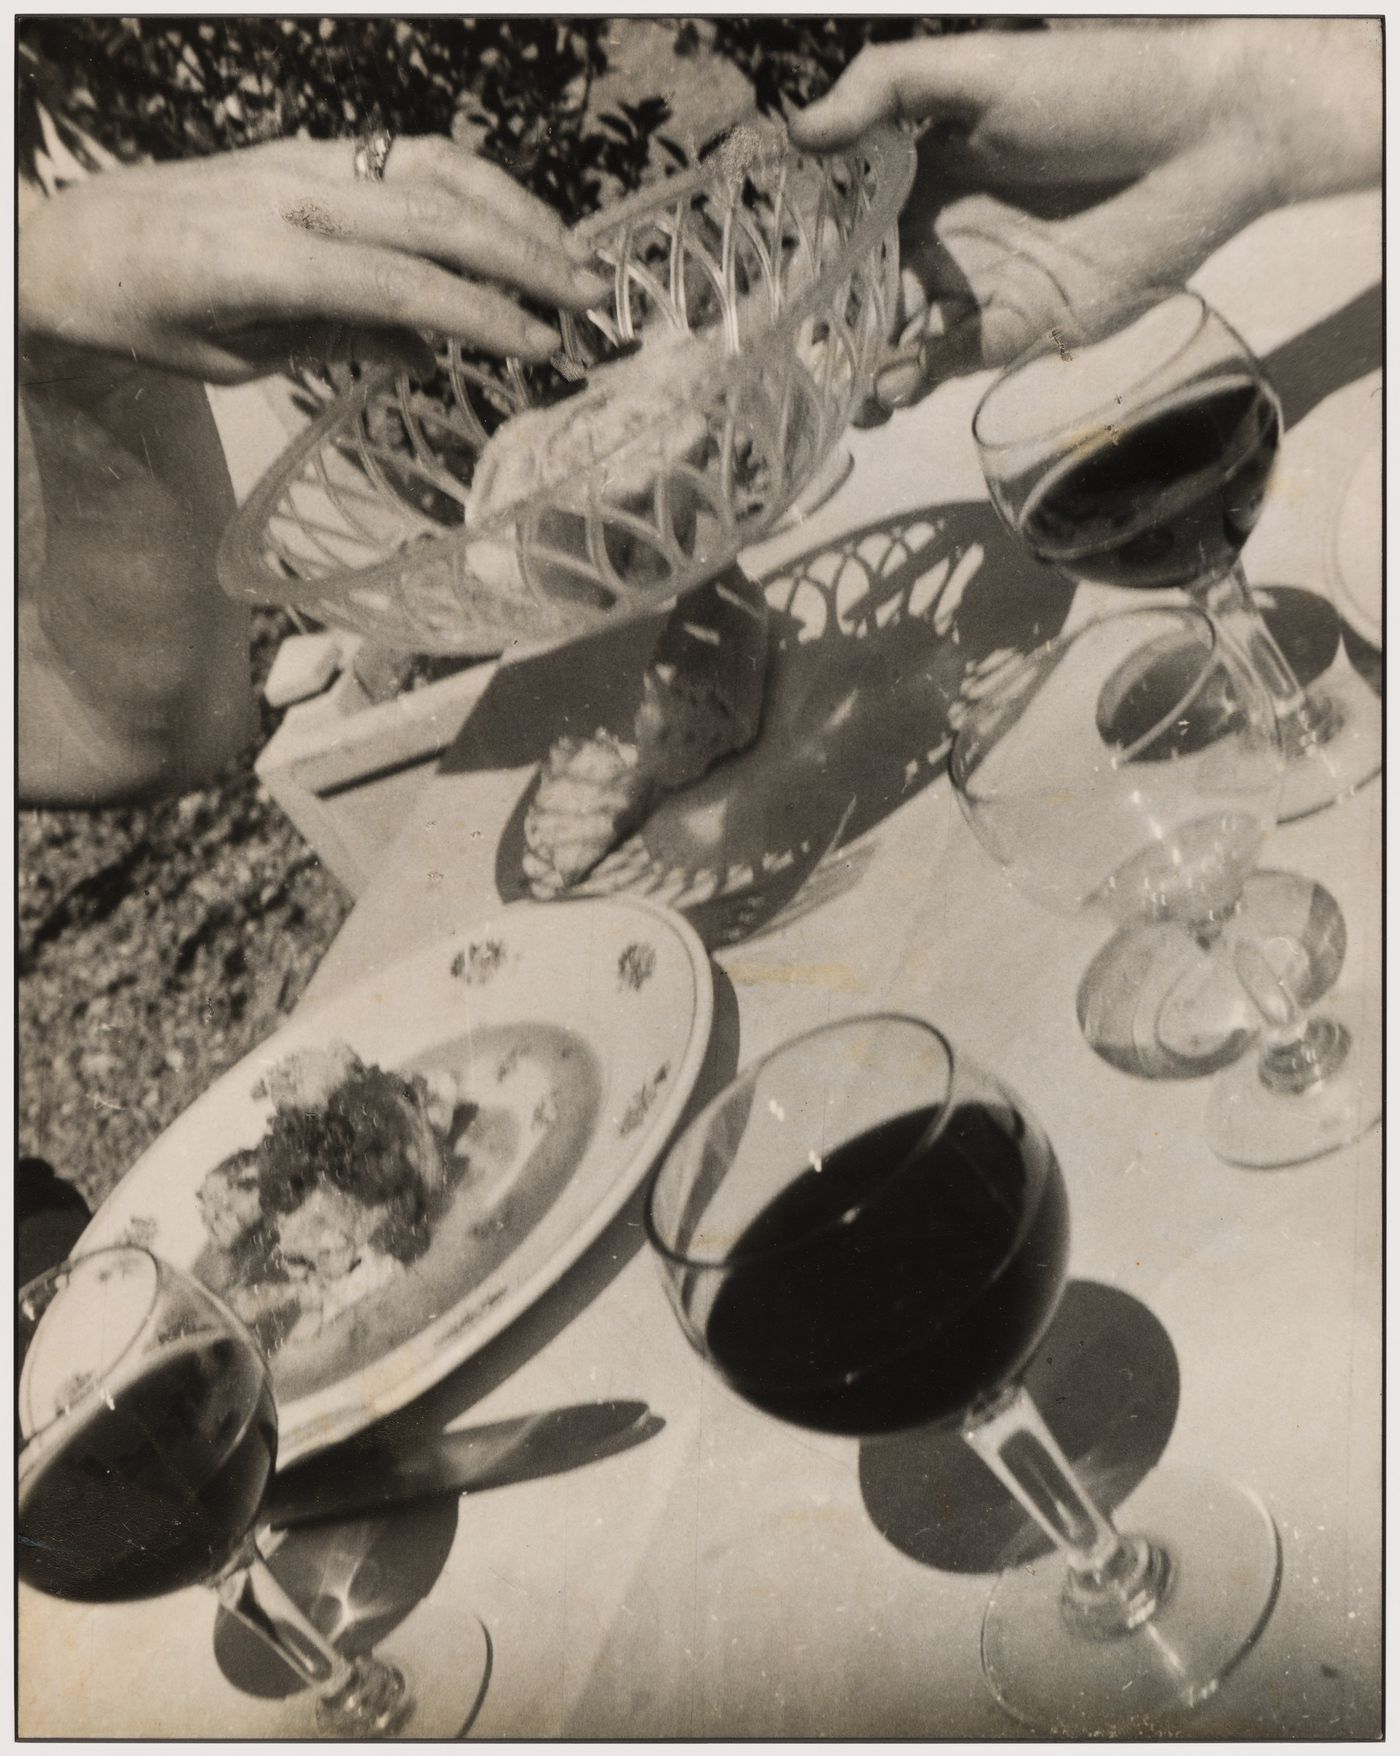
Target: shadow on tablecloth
{"points": [[1336, 351], [877, 638], [1106, 1381], [357, 1581], [1329, 354]]}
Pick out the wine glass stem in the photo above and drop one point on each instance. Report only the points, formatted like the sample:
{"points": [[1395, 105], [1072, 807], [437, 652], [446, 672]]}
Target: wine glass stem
{"points": [[250, 1591], [1226, 600], [358, 1697], [1114, 1583]]}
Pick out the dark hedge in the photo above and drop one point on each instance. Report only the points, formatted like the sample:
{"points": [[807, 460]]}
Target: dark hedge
{"points": [[169, 87]]}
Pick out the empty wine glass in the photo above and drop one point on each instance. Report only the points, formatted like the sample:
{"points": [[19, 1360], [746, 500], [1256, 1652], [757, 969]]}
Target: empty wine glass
{"points": [[866, 1232], [1131, 768], [148, 1437], [1132, 446]]}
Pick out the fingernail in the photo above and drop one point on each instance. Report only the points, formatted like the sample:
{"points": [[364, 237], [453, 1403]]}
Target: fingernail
{"points": [[540, 340], [949, 346], [898, 383], [579, 249]]}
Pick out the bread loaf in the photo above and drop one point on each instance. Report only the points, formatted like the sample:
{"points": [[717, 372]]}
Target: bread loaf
{"points": [[702, 700], [590, 793]]}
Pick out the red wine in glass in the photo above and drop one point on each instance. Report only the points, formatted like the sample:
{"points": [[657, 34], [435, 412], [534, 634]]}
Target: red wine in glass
{"points": [[1164, 499], [866, 1232], [911, 1272], [156, 1488], [1132, 446], [148, 1433]]}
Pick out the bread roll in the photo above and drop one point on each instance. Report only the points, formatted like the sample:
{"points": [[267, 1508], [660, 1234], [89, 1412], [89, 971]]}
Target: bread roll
{"points": [[590, 794], [702, 700]]}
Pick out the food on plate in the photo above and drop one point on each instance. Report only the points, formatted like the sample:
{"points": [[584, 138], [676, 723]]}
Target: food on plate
{"points": [[702, 700], [341, 1191], [590, 793], [374, 1200]]}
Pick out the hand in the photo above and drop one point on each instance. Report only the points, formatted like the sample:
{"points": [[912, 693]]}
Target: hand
{"points": [[1121, 158], [230, 267]]}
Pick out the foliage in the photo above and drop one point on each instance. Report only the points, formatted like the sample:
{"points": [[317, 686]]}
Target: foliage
{"points": [[161, 88], [515, 89], [790, 61]]}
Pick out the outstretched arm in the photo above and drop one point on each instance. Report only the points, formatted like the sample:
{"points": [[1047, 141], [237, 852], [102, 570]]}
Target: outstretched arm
{"points": [[1061, 164], [134, 674]]}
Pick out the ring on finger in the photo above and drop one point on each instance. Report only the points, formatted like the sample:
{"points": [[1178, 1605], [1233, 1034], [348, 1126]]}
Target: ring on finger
{"points": [[372, 154]]}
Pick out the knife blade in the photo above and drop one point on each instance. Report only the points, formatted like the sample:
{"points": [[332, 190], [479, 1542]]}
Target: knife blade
{"points": [[364, 1477]]}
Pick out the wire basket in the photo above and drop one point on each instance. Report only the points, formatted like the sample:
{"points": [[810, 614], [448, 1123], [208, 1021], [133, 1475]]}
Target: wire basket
{"points": [[774, 277]]}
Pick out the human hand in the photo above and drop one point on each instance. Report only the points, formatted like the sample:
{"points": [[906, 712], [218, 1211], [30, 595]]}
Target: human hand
{"points": [[1120, 158], [234, 266]]}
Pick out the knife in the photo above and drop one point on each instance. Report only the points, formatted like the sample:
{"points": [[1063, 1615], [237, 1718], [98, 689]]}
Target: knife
{"points": [[361, 1478]]}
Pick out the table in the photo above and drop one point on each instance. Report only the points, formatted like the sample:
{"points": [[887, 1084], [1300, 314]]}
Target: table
{"points": [[733, 1577]]}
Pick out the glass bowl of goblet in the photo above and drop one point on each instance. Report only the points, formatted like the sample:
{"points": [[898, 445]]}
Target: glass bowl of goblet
{"points": [[1133, 446], [148, 1438], [1131, 768], [867, 1232]]}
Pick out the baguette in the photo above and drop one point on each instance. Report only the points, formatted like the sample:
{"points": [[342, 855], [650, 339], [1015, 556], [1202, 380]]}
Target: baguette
{"points": [[702, 700]]}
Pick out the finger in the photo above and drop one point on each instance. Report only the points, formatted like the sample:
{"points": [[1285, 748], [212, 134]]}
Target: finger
{"points": [[944, 342], [982, 288], [235, 356], [462, 232], [896, 82], [344, 343], [316, 277], [401, 348], [476, 180]]}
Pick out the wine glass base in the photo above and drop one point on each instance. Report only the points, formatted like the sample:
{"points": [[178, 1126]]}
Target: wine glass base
{"points": [[1223, 1571], [1253, 1123], [1346, 751], [1156, 1003], [446, 1685]]}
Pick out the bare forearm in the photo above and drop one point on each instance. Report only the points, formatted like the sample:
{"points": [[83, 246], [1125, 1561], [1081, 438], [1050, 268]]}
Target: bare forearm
{"points": [[1314, 87], [133, 665], [1288, 108]]}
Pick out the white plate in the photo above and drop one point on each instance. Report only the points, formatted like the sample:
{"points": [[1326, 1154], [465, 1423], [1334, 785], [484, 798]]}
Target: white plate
{"points": [[1357, 549], [626, 980]]}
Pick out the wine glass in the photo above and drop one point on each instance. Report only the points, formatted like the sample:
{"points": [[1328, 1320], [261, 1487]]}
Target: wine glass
{"points": [[148, 1437], [1132, 446], [866, 1232], [1131, 768]]}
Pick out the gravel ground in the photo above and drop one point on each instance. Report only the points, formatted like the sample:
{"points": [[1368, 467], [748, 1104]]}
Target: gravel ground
{"points": [[156, 947]]}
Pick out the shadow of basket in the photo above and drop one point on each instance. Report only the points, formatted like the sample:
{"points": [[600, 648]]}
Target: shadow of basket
{"points": [[879, 641]]}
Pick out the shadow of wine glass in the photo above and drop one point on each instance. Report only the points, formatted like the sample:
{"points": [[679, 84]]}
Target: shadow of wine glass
{"points": [[1304, 623], [1106, 1380], [878, 641], [359, 1578], [356, 1581]]}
